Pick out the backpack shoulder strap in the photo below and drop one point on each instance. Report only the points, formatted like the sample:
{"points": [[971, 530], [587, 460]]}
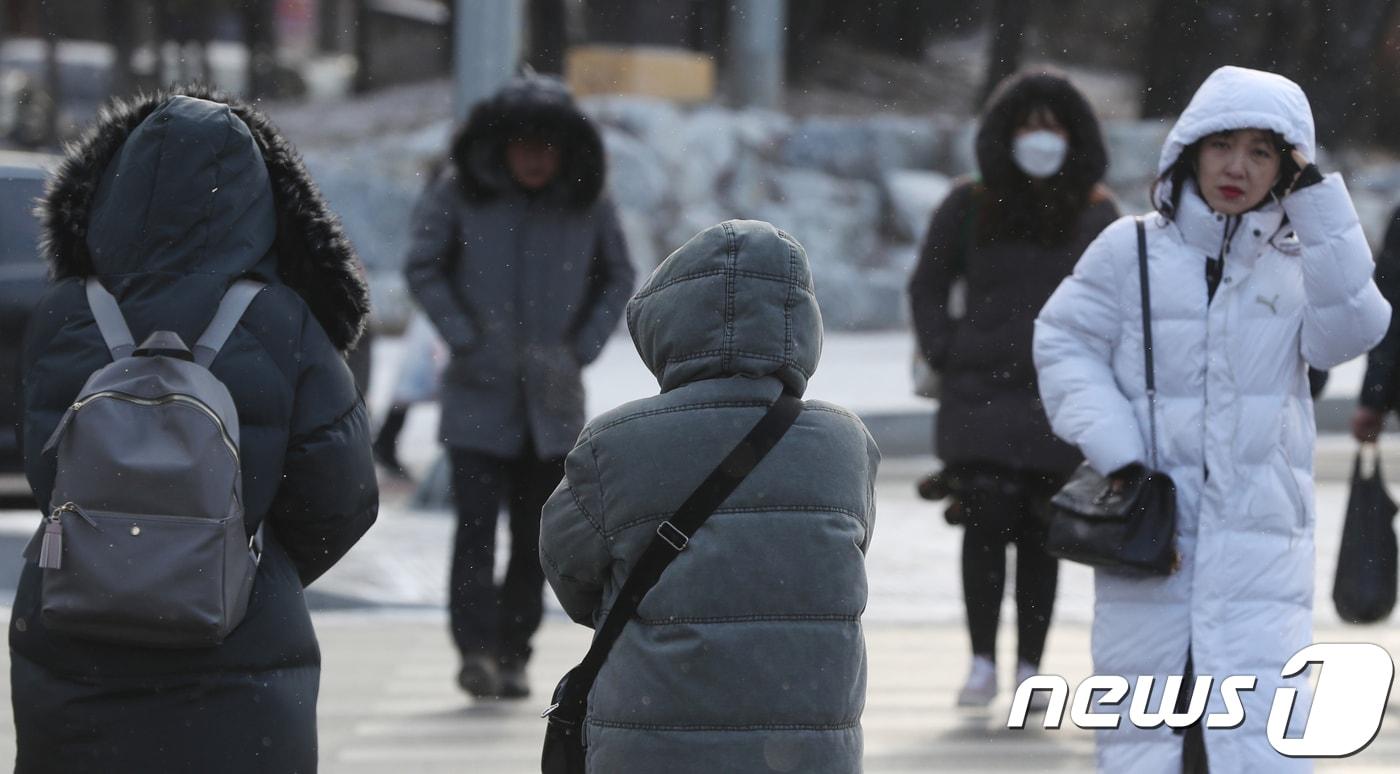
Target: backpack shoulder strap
{"points": [[231, 309], [109, 319]]}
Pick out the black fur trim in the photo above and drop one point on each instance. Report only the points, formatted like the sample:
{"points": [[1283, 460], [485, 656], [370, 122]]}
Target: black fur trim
{"points": [[314, 258], [533, 106]]}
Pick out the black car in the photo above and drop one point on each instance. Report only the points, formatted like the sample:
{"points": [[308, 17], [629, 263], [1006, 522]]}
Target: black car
{"points": [[23, 275]]}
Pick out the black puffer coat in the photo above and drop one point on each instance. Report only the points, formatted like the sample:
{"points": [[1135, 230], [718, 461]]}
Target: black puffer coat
{"points": [[1013, 240], [990, 411], [168, 201]]}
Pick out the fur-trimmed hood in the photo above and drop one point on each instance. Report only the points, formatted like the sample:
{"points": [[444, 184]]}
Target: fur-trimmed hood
{"points": [[529, 106], [190, 181]]}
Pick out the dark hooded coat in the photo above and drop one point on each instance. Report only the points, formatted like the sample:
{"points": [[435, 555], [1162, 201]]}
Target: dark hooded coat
{"points": [[747, 655], [169, 200], [989, 410], [524, 288]]}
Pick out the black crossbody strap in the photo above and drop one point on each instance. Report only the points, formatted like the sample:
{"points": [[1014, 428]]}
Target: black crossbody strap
{"points": [[670, 540], [1147, 336]]}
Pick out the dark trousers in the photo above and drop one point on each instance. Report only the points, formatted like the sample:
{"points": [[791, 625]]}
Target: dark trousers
{"points": [[486, 618], [1003, 507], [1193, 747]]}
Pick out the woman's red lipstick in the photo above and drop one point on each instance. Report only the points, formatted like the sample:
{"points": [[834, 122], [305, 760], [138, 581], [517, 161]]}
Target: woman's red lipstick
{"points": [[1231, 192]]}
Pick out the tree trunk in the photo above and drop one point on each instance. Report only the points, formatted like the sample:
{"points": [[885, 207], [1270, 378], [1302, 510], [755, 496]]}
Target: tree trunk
{"points": [[1008, 20], [1342, 66], [1174, 45], [1188, 39], [548, 36], [363, 77], [53, 83], [120, 30], [260, 36]]}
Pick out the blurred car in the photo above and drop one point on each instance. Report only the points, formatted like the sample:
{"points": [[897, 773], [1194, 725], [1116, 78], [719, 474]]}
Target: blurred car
{"points": [[23, 277]]}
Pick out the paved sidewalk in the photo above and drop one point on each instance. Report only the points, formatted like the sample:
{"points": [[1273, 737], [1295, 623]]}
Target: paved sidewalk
{"points": [[913, 562], [388, 703]]}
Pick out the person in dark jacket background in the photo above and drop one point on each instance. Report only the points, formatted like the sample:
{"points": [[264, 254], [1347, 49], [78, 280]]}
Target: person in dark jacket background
{"points": [[169, 200], [1011, 236], [519, 261], [1379, 395]]}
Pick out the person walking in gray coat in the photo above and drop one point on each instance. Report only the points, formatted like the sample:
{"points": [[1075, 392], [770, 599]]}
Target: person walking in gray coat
{"points": [[519, 261], [748, 654]]}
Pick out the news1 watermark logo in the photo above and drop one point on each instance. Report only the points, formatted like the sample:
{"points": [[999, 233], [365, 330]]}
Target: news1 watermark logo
{"points": [[1348, 703]]}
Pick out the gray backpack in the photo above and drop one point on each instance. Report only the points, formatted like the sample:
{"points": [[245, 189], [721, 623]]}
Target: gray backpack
{"points": [[146, 542]]}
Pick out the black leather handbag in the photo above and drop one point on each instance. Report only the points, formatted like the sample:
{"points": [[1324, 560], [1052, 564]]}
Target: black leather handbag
{"points": [[1134, 528], [563, 740]]}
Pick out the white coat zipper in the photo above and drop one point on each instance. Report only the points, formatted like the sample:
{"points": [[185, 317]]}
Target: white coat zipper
{"points": [[1232, 224], [181, 399]]}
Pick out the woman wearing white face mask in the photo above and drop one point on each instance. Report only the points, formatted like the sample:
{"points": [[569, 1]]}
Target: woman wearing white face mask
{"points": [[1011, 235], [1257, 267]]}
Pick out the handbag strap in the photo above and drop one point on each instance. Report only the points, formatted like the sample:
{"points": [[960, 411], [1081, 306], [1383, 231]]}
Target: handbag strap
{"points": [[671, 538], [1147, 335]]}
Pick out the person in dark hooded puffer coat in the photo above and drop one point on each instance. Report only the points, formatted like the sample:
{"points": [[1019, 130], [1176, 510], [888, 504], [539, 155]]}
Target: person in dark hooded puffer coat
{"points": [[168, 200], [747, 656], [1011, 236], [519, 261]]}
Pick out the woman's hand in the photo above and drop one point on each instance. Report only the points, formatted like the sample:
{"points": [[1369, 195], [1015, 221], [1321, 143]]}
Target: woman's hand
{"points": [[1307, 174], [1366, 424], [1119, 479]]}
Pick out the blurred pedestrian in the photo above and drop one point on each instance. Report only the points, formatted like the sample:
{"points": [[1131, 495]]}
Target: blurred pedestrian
{"points": [[519, 261], [419, 381], [1380, 390], [1011, 236], [747, 655], [168, 201], [1258, 268]]}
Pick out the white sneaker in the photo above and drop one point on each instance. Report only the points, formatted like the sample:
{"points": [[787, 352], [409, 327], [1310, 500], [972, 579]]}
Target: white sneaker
{"points": [[1040, 700], [981, 685]]}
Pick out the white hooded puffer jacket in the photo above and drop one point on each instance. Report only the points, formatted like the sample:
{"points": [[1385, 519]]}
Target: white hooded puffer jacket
{"points": [[1232, 399]]}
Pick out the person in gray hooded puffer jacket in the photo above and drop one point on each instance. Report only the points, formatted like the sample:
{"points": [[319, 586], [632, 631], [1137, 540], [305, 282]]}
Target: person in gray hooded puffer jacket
{"points": [[747, 655]]}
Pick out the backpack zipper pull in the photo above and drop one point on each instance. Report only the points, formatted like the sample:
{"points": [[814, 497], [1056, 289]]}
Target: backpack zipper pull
{"points": [[51, 550]]}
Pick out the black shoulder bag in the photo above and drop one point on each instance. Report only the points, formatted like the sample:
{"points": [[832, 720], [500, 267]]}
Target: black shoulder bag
{"points": [[563, 740], [1134, 528]]}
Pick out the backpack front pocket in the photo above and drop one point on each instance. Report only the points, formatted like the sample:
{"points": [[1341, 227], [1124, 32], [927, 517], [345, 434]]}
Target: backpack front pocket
{"points": [[171, 581]]}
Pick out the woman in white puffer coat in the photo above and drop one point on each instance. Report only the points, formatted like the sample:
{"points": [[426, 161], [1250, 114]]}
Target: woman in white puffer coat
{"points": [[1258, 268]]}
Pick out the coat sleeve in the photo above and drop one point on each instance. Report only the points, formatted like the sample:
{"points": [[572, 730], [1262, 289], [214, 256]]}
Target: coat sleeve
{"points": [[573, 545], [428, 267], [873, 456], [934, 274], [1378, 388], [1345, 314], [49, 385], [328, 497], [1075, 335], [611, 277]]}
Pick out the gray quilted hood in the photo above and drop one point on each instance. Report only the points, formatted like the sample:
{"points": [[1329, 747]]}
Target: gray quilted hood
{"points": [[736, 300]]}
